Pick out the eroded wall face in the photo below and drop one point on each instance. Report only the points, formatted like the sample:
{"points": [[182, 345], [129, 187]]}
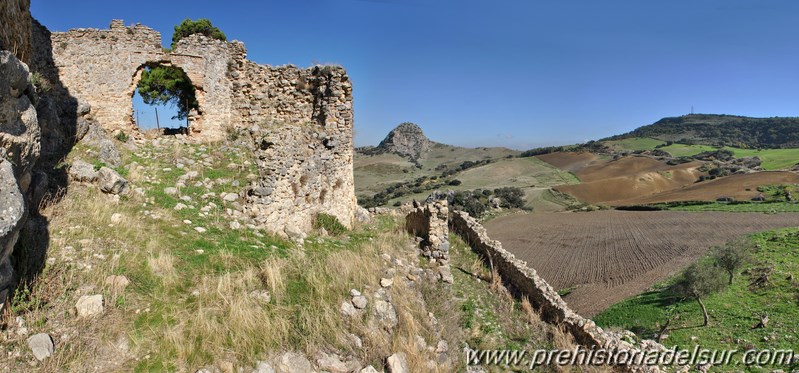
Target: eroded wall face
{"points": [[300, 120]]}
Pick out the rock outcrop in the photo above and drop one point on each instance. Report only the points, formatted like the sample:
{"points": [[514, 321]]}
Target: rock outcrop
{"points": [[406, 140], [19, 150]]}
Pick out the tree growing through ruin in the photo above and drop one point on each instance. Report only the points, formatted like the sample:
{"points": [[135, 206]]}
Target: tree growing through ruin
{"points": [[698, 281], [161, 85], [201, 26]]}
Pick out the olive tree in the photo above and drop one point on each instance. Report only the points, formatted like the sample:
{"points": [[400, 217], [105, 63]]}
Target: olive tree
{"points": [[698, 281], [732, 256]]}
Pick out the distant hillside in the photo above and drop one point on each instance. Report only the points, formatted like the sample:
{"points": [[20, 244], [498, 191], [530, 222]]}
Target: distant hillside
{"points": [[406, 140], [722, 130]]}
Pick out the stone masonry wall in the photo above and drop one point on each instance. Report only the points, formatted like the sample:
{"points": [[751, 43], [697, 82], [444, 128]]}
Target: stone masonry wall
{"points": [[15, 29], [429, 221], [300, 120], [551, 306]]}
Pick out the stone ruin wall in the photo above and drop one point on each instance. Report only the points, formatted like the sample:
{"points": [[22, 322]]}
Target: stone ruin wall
{"points": [[103, 68], [15, 29], [430, 223], [300, 120]]}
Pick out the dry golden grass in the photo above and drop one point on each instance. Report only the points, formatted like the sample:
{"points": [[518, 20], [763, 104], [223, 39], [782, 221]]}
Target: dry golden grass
{"points": [[162, 265], [185, 310]]}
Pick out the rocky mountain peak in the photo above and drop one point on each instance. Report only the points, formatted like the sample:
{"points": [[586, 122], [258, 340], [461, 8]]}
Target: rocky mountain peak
{"points": [[407, 140]]}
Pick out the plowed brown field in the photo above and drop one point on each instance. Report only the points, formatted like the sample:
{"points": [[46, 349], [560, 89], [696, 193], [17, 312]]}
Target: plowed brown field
{"points": [[612, 255], [570, 161], [628, 178], [637, 180], [741, 187]]}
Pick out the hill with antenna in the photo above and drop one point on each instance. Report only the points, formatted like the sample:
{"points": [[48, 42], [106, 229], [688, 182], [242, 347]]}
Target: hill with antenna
{"points": [[722, 130]]}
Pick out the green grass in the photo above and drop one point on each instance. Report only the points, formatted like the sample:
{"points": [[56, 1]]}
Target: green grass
{"points": [[492, 320], [773, 159], [329, 223], [733, 311], [684, 150]]}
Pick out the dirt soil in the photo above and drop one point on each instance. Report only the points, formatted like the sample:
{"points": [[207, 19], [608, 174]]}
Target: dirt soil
{"points": [[571, 161], [616, 181], [607, 256], [740, 187]]}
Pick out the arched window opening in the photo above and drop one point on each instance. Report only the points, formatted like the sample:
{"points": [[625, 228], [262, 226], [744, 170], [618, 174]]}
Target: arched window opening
{"points": [[164, 98]]}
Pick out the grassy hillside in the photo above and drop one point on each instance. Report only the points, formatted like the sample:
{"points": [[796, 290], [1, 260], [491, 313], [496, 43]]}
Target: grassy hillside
{"points": [[373, 173], [773, 159], [723, 130], [442, 165], [203, 294], [634, 143], [733, 312]]}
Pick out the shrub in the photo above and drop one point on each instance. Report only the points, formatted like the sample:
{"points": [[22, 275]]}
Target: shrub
{"points": [[122, 137], [454, 182], [511, 197], [38, 80], [330, 223]]}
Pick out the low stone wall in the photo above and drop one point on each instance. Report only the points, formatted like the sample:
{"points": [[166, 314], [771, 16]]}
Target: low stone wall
{"points": [[551, 306], [429, 222]]}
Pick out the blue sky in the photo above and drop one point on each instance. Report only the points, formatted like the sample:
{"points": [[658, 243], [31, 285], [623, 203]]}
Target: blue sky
{"points": [[510, 73]]}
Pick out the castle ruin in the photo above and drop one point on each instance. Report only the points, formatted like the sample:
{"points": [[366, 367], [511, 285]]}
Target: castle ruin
{"points": [[300, 119]]}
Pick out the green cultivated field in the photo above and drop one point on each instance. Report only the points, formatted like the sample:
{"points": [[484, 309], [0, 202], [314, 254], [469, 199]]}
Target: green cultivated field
{"points": [[374, 173], [733, 311], [684, 150], [773, 159]]}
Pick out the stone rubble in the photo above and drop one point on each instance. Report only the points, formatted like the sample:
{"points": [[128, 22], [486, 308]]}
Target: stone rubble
{"points": [[89, 306], [41, 346]]}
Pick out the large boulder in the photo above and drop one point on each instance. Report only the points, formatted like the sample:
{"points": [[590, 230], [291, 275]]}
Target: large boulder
{"points": [[20, 145], [19, 128]]}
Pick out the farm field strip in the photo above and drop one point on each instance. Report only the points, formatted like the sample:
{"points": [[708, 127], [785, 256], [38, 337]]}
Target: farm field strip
{"points": [[607, 256]]}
